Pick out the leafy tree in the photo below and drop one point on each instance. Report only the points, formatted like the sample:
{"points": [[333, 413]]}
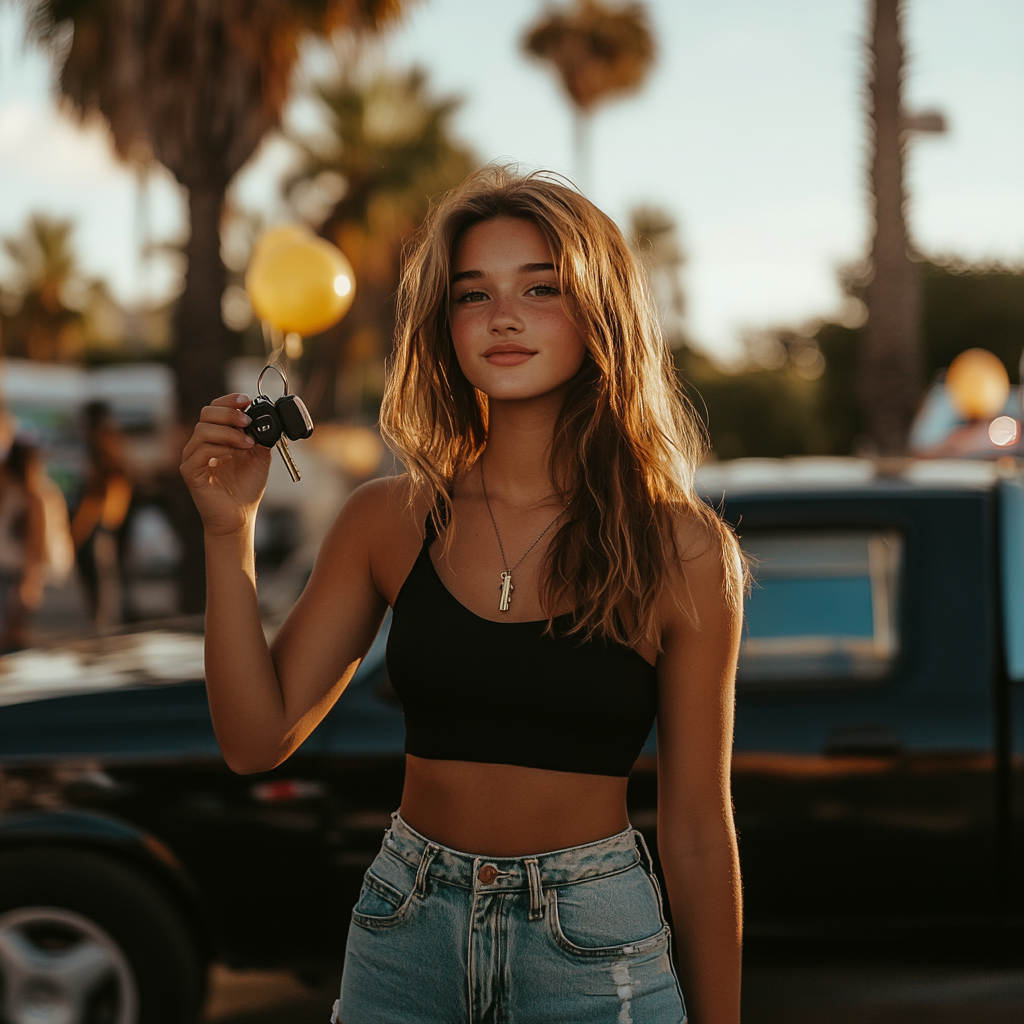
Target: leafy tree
{"points": [[195, 84], [768, 412], [763, 411], [42, 307], [972, 305], [599, 50], [795, 392], [388, 150], [50, 310]]}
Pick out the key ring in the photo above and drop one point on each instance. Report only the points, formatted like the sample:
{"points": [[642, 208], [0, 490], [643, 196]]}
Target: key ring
{"points": [[280, 373]]}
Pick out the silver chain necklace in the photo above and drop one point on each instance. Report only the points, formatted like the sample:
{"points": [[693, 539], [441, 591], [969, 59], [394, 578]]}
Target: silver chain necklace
{"points": [[506, 577]]}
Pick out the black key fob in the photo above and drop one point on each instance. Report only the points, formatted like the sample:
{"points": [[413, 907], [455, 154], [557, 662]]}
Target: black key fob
{"points": [[265, 428], [295, 419]]}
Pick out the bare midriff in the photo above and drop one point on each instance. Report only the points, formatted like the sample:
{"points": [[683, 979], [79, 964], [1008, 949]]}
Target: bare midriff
{"points": [[502, 810]]}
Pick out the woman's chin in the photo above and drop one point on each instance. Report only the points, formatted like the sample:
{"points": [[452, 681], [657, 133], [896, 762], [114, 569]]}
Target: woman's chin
{"points": [[523, 394]]}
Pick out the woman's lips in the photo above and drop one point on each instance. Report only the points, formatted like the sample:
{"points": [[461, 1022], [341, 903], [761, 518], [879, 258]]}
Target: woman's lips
{"points": [[508, 358], [508, 355]]}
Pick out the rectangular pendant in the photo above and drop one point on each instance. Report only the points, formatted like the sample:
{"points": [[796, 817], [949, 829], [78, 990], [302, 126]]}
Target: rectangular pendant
{"points": [[506, 592]]}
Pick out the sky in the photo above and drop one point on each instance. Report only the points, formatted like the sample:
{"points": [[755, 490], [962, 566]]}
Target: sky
{"points": [[750, 132]]}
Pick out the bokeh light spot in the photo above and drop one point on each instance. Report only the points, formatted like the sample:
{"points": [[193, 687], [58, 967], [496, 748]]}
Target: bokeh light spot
{"points": [[1003, 431]]}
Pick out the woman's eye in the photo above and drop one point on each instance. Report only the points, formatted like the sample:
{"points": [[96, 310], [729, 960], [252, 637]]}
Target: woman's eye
{"points": [[474, 296], [543, 289]]}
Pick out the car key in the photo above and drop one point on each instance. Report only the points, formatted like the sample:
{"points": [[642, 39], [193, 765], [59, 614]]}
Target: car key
{"points": [[282, 447], [273, 423]]}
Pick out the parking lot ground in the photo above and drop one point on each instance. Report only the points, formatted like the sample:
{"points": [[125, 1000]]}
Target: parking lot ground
{"points": [[777, 990], [838, 995], [267, 997], [885, 983]]}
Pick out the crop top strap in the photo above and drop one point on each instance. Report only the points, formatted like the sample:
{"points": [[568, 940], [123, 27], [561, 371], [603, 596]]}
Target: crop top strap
{"points": [[429, 529]]}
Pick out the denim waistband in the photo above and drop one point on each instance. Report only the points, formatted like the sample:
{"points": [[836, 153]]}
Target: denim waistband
{"points": [[559, 867]]}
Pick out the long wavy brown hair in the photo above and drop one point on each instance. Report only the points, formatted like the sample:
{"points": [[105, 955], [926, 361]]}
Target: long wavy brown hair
{"points": [[627, 442]]}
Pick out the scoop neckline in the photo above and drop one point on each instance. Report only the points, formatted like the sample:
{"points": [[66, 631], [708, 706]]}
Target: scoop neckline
{"points": [[521, 622], [475, 615]]}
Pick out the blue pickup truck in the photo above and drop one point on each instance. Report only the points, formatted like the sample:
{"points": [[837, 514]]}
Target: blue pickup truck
{"points": [[878, 772]]}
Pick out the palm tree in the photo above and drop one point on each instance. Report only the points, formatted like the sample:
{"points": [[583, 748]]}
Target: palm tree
{"points": [[599, 51], [889, 371], [37, 322], [389, 145], [195, 84]]}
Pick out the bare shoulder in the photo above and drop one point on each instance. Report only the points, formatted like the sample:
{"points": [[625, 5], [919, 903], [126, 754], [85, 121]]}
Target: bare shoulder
{"points": [[382, 504], [381, 522], [377, 509], [708, 574]]}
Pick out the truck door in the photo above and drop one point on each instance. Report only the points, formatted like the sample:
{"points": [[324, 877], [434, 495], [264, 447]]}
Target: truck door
{"points": [[1011, 706], [864, 781]]}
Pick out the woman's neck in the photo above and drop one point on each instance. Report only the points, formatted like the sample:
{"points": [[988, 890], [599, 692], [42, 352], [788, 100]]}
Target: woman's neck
{"points": [[518, 447]]}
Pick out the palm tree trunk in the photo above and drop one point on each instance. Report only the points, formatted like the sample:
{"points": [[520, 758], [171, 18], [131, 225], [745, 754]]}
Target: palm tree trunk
{"points": [[200, 354], [581, 147], [200, 350], [890, 366]]}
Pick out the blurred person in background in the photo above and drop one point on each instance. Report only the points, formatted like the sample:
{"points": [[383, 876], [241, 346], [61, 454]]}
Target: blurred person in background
{"points": [[95, 528], [34, 540], [534, 403]]}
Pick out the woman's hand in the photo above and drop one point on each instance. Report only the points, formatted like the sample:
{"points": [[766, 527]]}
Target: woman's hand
{"points": [[225, 470]]}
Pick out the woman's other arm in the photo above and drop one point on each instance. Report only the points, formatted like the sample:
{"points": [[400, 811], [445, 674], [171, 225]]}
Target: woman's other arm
{"points": [[696, 835], [266, 700]]}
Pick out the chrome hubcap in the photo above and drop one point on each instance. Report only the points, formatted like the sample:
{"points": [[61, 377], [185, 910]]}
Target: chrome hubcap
{"points": [[59, 967]]}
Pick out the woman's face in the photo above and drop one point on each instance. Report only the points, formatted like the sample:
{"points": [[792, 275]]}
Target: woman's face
{"points": [[513, 333]]}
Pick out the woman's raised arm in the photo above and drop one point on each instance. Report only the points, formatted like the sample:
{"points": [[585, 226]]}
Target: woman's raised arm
{"points": [[265, 701]]}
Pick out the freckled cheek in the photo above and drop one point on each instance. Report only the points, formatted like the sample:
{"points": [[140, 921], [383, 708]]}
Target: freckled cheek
{"points": [[463, 333], [569, 349]]}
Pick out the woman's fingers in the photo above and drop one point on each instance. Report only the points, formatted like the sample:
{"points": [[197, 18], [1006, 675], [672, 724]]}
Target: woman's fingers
{"points": [[230, 415], [200, 454], [214, 433], [234, 401], [200, 458]]}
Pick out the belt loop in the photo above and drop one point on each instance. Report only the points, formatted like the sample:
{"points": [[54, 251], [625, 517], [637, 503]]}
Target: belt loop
{"points": [[429, 854], [641, 849], [648, 865], [536, 891]]}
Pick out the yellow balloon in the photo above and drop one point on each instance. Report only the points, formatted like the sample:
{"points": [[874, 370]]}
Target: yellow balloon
{"points": [[275, 236], [977, 384], [299, 282]]}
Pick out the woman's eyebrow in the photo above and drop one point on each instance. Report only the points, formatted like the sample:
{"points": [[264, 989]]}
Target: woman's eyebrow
{"points": [[526, 268]]}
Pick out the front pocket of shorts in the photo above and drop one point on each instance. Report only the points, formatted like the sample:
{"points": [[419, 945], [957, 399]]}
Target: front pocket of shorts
{"points": [[616, 915], [382, 903]]}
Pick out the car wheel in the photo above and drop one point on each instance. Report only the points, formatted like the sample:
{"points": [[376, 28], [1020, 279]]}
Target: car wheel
{"points": [[85, 939]]}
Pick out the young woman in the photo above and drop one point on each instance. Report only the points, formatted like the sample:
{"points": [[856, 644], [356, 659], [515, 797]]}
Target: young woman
{"points": [[555, 583]]}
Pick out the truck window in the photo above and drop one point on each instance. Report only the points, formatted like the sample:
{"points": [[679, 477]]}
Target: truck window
{"points": [[823, 608], [1011, 557]]}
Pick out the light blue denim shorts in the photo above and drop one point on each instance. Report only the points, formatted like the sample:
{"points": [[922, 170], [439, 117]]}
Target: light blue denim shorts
{"points": [[443, 937]]}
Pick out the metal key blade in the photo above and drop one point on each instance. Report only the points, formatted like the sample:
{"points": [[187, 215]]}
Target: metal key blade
{"points": [[282, 447]]}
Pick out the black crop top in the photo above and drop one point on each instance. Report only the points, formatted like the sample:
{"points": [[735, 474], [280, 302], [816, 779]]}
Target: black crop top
{"points": [[506, 692]]}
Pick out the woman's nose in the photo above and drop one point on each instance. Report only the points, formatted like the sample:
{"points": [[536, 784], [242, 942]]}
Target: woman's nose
{"points": [[504, 318]]}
